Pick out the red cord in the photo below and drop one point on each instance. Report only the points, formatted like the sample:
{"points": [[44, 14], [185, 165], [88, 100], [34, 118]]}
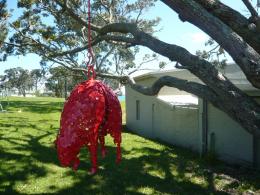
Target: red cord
{"points": [[90, 63]]}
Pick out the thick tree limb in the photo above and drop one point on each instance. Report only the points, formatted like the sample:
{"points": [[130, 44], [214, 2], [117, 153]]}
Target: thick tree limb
{"points": [[97, 40], [236, 21], [197, 89], [196, 65], [242, 53], [242, 106], [69, 52]]}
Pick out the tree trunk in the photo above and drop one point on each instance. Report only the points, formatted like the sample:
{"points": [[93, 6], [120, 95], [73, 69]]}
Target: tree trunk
{"points": [[65, 89], [23, 92], [36, 85]]}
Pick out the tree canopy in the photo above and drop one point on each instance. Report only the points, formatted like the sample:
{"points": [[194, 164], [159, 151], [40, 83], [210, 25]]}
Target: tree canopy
{"points": [[118, 28], [61, 80], [3, 21], [53, 30], [18, 78]]}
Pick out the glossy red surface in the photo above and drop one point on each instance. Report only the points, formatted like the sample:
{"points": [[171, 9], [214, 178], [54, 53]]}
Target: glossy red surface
{"points": [[91, 112]]}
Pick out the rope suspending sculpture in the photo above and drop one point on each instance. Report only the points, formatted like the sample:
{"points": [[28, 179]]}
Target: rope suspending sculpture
{"points": [[91, 112]]}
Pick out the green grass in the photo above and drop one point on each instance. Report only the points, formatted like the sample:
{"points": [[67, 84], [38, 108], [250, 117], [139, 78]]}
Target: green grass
{"points": [[29, 165]]}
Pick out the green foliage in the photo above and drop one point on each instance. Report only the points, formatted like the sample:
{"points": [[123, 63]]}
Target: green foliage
{"points": [[37, 93], [18, 78], [162, 65], [3, 19], [23, 79], [48, 29], [216, 55], [36, 75], [61, 81]]}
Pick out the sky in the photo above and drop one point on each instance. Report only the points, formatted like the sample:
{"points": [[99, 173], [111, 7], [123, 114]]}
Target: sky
{"points": [[171, 30]]}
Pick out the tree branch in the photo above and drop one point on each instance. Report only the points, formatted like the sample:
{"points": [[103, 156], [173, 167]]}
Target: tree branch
{"points": [[36, 42], [76, 17], [199, 67], [105, 57], [236, 112], [250, 8], [242, 53], [69, 52], [236, 21], [97, 40], [197, 89], [17, 45], [141, 64]]}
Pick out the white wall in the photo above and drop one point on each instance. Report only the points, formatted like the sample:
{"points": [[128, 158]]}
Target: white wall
{"points": [[182, 125], [144, 125], [232, 142], [176, 125]]}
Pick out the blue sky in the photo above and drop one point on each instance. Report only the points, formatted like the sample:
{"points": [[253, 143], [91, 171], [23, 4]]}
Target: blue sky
{"points": [[172, 31]]}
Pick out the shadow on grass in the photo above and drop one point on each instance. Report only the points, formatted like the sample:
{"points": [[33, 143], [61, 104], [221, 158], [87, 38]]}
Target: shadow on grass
{"points": [[21, 161], [128, 177], [152, 169], [137, 175], [143, 170]]}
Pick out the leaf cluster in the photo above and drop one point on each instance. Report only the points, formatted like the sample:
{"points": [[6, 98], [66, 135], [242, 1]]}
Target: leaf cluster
{"points": [[50, 28]]}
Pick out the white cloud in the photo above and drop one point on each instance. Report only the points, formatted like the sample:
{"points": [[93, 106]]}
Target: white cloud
{"points": [[196, 37]]}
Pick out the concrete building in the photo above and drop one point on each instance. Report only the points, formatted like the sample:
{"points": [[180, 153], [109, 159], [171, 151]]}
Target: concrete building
{"points": [[182, 119]]}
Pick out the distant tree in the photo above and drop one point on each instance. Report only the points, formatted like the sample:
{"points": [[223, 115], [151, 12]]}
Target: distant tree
{"points": [[36, 75], [2, 82], [2, 78], [18, 78], [61, 81]]}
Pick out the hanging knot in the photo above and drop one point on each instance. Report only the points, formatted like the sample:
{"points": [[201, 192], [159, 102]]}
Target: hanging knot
{"points": [[91, 72]]}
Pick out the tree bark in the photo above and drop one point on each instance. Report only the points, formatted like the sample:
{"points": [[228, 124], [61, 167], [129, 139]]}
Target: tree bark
{"points": [[242, 53], [236, 21]]}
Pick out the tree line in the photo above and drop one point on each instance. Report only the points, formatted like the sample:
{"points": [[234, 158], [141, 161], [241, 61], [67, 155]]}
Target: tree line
{"points": [[57, 81]]}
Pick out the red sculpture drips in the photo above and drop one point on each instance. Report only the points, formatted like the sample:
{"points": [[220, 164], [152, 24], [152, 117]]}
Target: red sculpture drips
{"points": [[91, 112]]}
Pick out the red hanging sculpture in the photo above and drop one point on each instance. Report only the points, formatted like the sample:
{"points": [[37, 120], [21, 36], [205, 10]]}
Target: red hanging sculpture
{"points": [[91, 112]]}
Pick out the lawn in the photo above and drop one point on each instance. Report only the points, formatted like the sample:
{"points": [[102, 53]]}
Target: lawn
{"points": [[29, 165]]}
